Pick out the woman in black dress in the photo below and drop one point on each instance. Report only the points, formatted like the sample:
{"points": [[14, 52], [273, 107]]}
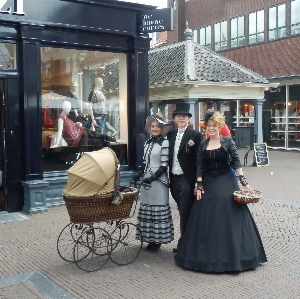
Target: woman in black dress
{"points": [[221, 235]]}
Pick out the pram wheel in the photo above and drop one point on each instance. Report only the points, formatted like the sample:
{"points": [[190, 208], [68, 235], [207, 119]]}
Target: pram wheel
{"points": [[125, 243], [90, 252], [67, 239]]}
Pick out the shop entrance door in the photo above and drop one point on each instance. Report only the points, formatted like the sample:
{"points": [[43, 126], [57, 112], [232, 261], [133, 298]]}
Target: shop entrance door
{"points": [[3, 199], [11, 163]]}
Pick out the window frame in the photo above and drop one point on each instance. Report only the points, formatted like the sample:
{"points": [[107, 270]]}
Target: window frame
{"points": [[207, 36], [276, 30], [297, 24], [256, 33], [222, 43], [238, 39]]}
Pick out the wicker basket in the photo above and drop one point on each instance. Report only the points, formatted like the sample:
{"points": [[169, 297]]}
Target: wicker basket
{"points": [[99, 207], [245, 197]]}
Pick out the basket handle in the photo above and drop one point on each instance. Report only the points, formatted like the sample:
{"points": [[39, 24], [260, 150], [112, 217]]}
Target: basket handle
{"points": [[249, 188]]}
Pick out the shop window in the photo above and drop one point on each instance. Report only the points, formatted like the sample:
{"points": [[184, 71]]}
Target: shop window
{"points": [[8, 56], [84, 105], [256, 27], [220, 31], [277, 26], [295, 17], [237, 32], [205, 36]]}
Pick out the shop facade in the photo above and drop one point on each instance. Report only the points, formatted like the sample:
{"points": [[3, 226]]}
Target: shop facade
{"points": [[63, 57]]}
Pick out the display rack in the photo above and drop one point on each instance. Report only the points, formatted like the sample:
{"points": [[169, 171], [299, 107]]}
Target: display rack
{"points": [[278, 127], [244, 120]]}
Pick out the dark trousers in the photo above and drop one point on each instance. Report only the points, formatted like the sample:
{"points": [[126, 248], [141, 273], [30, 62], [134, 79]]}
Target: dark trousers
{"points": [[183, 195]]}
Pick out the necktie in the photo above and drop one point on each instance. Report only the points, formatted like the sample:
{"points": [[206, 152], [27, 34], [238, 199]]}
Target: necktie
{"points": [[180, 131]]}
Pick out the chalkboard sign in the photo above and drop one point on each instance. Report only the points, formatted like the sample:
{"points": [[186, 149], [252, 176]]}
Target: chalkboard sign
{"points": [[261, 154]]}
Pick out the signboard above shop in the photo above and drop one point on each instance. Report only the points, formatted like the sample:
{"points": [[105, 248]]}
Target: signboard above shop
{"points": [[156, 20]]}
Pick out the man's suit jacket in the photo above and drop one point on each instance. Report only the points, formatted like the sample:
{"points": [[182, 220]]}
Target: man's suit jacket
{"points": [[187, 154]]}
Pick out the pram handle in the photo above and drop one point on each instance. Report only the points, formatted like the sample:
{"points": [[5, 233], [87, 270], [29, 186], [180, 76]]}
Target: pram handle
{"points": [[140, 183]]}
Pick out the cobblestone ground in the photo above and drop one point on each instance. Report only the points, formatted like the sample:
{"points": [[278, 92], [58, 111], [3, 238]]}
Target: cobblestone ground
{"points": [[30, 245]]}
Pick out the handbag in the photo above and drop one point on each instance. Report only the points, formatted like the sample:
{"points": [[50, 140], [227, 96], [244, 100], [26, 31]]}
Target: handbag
{"points": [[246, 197]]}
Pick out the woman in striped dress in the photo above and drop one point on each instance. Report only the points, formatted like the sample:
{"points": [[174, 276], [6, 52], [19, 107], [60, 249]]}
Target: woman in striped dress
{"points": [[154, 217]]}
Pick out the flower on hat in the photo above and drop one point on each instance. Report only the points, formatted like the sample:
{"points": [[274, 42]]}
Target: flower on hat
{"points": [[191, 142]]}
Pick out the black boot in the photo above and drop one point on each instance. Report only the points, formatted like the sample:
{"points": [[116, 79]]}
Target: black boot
{"points": [[150, 246], [156, 246]]}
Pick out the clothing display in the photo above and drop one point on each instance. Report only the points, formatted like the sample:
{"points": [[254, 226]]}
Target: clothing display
{"points": [[73, 134], [221, 235], [154, 217]]}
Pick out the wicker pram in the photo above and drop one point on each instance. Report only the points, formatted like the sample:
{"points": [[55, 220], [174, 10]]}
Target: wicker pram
{"points": [[92, 187]]}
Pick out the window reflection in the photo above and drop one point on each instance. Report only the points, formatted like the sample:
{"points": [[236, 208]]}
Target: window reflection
{"points": [[8, 56]]}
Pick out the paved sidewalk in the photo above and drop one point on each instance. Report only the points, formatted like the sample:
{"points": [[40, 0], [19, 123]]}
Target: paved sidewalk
{"points": [[28, 247]]}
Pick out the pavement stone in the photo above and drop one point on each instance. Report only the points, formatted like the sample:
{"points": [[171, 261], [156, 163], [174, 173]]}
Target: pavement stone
{"points": [[28, 246]]}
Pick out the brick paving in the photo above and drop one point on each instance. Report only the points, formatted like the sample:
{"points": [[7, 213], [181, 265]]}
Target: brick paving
{"points": [[30, 245]]}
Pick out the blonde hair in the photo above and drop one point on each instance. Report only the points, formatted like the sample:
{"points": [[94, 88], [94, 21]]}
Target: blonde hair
{"points": [[217, 119]]}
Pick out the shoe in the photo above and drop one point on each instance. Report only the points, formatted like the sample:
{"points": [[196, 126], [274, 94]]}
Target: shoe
{"points": [[150, 246], [175, 250], [155, 247]]}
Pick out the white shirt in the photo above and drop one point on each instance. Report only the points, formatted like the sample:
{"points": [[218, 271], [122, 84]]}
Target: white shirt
{"points": [[176, 169]]}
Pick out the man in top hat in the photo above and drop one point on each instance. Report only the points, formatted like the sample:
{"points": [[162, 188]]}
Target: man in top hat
{"points": [[183, 147]]}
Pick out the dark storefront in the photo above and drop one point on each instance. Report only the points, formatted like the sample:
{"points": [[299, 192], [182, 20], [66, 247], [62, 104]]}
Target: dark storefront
{"points": [[57, 53]]}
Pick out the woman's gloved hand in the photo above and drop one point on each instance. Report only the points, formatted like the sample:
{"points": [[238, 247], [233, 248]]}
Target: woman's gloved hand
{"points": [[148, 181], [243, 181]]}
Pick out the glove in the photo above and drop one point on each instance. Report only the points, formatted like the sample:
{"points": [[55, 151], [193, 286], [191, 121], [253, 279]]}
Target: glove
{"points": [[200, 186], [136, 178], [148, 181], [139, 173], [243, 180]]}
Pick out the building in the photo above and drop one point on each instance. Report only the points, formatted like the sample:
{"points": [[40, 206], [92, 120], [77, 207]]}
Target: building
{"points": [[58, 51], [262, 36]]}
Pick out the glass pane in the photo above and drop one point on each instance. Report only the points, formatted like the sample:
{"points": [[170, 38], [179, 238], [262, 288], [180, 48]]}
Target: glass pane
{"points": [[252, 23], [252, 39], [241, 26], [202, 36], [260, 21], [84, 105], [272, 34], [295, 12], [281, 15], [217, 32], [234, 28], [281, 32], [208, 35], [8, 56], [195, 36], [272, 18], [224, 31]]}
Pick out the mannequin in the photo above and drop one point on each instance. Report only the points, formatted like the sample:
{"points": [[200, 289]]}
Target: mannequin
{"points": [[97, 102], [73, 133]]}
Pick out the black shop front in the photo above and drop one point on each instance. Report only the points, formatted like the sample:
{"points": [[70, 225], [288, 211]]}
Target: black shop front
{"points": [[81, 58]]}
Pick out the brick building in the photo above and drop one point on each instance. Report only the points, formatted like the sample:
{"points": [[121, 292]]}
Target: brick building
{"points": [[262, 36]]}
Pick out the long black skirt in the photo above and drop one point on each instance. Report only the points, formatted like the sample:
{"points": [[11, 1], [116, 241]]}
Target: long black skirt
{"points": [[221, 235]]}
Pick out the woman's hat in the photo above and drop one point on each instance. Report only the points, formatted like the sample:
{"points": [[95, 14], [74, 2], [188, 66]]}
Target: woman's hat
{"points": [[165, 126], [182, 108]]}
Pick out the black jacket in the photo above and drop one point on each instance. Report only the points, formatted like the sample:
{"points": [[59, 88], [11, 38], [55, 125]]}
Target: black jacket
{"points": [[187, 155], [229, 146]]}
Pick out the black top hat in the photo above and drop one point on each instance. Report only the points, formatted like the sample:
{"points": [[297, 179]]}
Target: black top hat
{"points": [[182, 108]]}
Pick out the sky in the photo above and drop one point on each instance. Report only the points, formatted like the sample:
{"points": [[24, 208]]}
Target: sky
{"points": [[159, 3]]}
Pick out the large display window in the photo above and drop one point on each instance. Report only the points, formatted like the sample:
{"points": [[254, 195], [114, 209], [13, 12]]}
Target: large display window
{"points": [[84, 105]]}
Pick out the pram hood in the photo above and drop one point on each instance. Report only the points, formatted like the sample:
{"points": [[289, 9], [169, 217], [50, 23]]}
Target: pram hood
{"points": [[94, 173]]}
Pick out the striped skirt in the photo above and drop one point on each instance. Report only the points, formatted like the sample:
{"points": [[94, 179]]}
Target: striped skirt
{"points": [[155, 223]]}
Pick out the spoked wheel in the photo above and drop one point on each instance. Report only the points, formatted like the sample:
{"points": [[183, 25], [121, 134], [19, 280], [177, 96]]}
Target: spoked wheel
{"points": [[67, 239], [125, 243], [91, 249]]}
